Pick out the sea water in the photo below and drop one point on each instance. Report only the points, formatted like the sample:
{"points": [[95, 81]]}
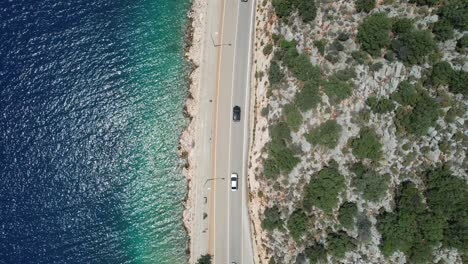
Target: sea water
{"points": [[91, 100]]}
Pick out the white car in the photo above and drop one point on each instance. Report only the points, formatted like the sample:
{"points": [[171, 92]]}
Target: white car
{"points": [[234, 181]]}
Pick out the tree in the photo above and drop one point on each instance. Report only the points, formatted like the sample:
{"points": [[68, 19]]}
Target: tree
{"points": [[418, 119], [303, 69], [326, 134], [381, 106], [402, 25], [272, 218], [337, 90], [406, 94], [267, 49], [458, 82], [283, 8], [297, 224], [369, 183], [293, 116], [373, 33], [365, 5], [367, 145], [204, 259], [456, 12], [347, 214], [441, 73], [316, 253], [462, 43], [447, 195], [323, 189], [339, 243], [307, 10], [443, 30], [412, 47]]}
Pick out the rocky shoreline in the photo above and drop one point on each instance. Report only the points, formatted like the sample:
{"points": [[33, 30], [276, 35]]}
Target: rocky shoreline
{"points": [[193, 48]]}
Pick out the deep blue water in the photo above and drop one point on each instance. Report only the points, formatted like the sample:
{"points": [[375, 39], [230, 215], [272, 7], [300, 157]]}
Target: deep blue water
{"points": [[91, 98]]}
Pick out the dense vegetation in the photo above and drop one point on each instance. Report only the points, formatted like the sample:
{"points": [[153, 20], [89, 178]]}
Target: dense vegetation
{"points": [[323, 189], [326, 134], [415, 228]]}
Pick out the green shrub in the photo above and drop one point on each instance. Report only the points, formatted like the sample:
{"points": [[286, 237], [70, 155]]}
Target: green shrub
{"points": [[326, 134], [332, 57], [339, 243], [272, 218], [303, 69], [275, 74], [308, 97], [347, 214], [363, 228], [376, 66], [406, 94], [443, 30], [367, 145], [458, 82], [360, 56], [456, 12], [373, 33], [412, 47], [441, 73], [281, 158], [323, 189], [204, 259], [320, 45], [343, 36], [390, 56], [462, 43], [381, 106], [297, 224], [316, 253], [293, 116], [402, 25], [337, 90], [365, 5], [336, 46], [369, 183], [267, 49], [424, 2], [346, 74]]}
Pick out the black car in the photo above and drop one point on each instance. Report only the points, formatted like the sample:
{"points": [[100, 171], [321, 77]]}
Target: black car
{"points": [[236, 112]]}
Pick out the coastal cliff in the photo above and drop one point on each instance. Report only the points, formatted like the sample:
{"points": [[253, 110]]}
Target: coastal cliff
{"points": [[358, 105]]}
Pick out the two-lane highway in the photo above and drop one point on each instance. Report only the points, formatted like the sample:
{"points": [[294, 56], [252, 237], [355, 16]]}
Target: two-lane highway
{"points": [[230, 238]]}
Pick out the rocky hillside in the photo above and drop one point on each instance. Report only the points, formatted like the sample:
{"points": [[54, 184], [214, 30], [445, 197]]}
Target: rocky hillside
{"points": [[360, 138]]}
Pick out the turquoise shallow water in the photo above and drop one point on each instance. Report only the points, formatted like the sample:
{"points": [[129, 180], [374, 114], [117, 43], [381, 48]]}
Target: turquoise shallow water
{"points": [[91, 110]]}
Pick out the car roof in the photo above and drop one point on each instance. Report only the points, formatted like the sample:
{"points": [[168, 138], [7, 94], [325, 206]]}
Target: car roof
{"points": [[233, 174]]}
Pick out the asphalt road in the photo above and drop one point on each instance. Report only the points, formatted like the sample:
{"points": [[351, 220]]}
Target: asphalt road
{"points": [[230, 238]]}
